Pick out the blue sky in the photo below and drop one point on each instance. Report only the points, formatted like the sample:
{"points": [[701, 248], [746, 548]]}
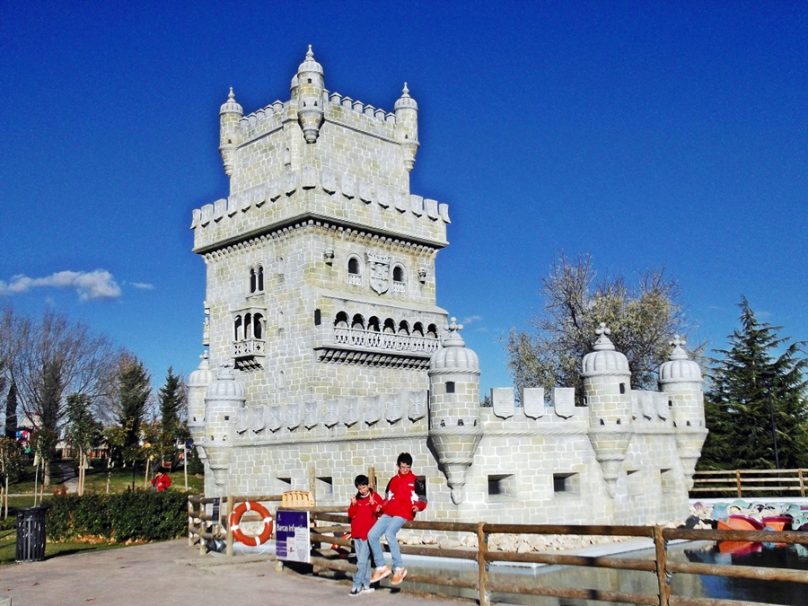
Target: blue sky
{"points": [[652, 135]]}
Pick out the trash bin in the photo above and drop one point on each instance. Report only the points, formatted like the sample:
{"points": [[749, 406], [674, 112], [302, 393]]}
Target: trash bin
{"points": [[31, 534]]}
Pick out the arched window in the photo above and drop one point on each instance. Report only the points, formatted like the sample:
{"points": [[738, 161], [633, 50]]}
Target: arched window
{"points": [[432, 331], [252, 280], [317, 317], [373, 324], [418, 329], [403, 328], [353, 266], [389, 326], [258, 325], [260, 278], [248, 326], [398, 274], [341, 320], [237, 329], [358, 321]]}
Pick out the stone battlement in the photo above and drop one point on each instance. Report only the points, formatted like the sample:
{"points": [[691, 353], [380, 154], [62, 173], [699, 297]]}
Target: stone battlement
{"points": [[346, 201], [337, 108]]}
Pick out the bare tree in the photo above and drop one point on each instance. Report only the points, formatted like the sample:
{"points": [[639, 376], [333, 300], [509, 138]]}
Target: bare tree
{"points": [[55, 358], [641, 320]]}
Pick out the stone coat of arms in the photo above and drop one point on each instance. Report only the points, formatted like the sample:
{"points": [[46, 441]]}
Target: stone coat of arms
{"points": [[379, 272]]}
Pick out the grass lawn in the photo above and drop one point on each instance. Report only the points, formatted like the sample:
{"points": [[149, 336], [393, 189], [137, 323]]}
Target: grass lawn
{"points": [[119, 481]]}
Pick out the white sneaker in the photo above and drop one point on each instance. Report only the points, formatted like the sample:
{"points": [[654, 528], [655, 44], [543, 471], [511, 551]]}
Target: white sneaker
{"points": [[368, 589]]}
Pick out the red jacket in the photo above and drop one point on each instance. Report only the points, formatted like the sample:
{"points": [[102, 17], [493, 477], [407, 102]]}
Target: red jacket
{"points": [[363, 514], [402, 492], [161, 482]]}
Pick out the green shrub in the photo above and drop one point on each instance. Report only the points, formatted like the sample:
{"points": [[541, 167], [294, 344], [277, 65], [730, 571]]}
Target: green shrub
{"points": [[138, 515]]}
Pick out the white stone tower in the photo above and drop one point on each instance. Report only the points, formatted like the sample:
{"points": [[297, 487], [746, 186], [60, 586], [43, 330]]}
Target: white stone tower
{"points": [[680, 379], [454, 408], [607, 390]]}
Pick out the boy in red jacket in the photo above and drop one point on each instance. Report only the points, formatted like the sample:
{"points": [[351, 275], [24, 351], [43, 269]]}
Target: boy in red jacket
{"points": [[365, 508], [403, 501]]}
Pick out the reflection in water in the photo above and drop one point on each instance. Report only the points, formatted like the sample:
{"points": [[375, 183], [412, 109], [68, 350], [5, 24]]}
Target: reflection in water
{"points": [[754, 554], [629, 581]]}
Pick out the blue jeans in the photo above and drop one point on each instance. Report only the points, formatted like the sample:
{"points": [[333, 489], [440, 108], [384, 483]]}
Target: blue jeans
{"points": [[362, 576], [389, 527]]}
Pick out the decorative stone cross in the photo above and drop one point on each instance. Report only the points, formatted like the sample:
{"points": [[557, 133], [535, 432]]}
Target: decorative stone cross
{"points": [[677, 341], [454, 326], [602, 329]]}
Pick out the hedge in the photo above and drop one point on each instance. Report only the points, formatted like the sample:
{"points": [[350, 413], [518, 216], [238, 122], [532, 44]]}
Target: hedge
{"points": [[138, 516]]}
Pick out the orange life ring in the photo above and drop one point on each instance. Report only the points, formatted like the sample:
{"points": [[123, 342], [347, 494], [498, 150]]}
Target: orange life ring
{"points": [[249, 539]]}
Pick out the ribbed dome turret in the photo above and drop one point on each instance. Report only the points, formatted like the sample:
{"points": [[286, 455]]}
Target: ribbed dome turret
{"points": [[202, 376], [679, 368], [405, 101], [231, 106], [309, 64], [605, 360], [225, 387], [454, 355]]}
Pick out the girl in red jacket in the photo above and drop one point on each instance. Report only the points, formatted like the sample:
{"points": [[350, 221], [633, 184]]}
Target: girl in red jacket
{"points": [[365, 508], [404, 498]]}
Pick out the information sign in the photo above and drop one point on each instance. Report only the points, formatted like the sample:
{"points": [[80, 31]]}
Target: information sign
{"points": [[292, 537]]}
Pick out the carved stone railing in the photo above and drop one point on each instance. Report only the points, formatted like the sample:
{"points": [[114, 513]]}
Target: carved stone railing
{"points": [[355, 279], [248, 348], [372, 339]]}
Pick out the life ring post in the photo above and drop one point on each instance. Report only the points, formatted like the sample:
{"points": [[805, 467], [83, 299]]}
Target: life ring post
{"points": [[229, 549], [234, 523]]}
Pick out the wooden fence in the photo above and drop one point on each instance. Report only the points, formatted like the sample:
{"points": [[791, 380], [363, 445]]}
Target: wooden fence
{"points": [[750, 482], [329, 524]]}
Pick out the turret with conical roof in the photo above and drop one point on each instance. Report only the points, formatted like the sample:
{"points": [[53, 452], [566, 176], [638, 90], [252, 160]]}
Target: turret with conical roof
{"points": [[607, 393], [310, 87], [454, 408], [406, 110], [680, 378]]}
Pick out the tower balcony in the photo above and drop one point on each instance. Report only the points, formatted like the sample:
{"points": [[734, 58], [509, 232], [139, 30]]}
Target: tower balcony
{"points": [[249, 353], [374, 348]]}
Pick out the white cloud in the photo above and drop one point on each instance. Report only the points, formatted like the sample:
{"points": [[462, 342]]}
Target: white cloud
{"points": [[89, 285], [468, 320], [142, 285]]}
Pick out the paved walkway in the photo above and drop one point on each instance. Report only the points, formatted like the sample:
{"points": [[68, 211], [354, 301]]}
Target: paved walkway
{"points": [[173, 573]]}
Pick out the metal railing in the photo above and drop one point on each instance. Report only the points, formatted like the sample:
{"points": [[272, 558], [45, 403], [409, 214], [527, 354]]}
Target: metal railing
{"points": [[750, 482]]}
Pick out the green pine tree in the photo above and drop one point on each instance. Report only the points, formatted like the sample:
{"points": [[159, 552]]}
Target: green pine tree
{"points": [[133, 396], [172, 403], [757, 409]]}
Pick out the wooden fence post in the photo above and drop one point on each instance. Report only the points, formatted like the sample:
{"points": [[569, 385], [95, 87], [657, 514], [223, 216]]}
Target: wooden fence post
{"points": [[662, 567], [482, 566], [229, 550], [190, 522], [802, 482], [372, 478], [738, 482], [203, 549]]}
